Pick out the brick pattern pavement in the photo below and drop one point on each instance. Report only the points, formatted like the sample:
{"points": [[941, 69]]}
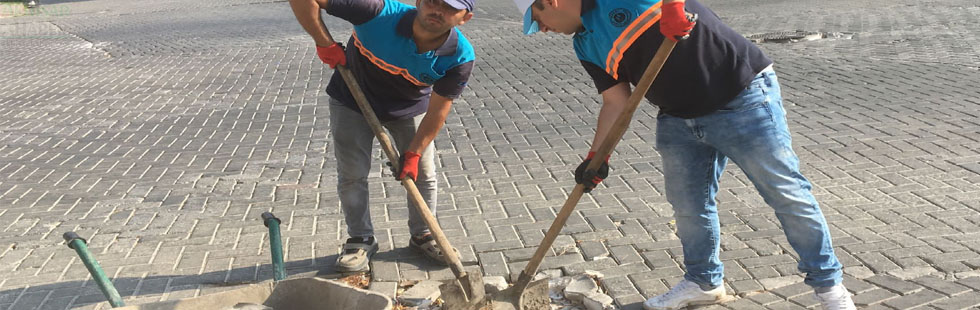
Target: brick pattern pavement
{"points": [[161, 130]]}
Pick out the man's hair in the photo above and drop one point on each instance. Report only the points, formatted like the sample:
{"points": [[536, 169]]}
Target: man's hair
{"points": [[539, 4]]}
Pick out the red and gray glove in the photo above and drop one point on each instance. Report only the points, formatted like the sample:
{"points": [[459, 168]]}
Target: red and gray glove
{"points": [[591, 178], [332, 55], [409, 167], [674, 21]]}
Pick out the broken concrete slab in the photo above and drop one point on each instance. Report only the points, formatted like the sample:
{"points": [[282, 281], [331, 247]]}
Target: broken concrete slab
{"points": [[384, 287], [548, 274], [495, 284], [597, 301], [594, 274], [420, 292], [580, 286]]}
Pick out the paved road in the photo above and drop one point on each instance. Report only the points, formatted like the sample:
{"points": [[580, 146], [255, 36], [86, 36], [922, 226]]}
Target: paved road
{"points": [[160, 130]]}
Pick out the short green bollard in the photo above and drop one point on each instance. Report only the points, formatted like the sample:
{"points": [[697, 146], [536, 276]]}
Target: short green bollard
{"points": [[275, 243], [79, 245]]}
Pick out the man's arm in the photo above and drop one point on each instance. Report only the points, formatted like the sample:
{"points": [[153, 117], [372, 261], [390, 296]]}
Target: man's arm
{"points": [[432, 122], [614, 100], [308, 14], [443, 91]]}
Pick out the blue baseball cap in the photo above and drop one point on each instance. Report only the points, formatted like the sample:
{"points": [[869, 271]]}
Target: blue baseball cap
{"points": [[461, 4]]}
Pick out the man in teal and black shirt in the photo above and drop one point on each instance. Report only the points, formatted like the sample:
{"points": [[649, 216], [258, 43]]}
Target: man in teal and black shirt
{"points": [[411, 62], [719, 99]]}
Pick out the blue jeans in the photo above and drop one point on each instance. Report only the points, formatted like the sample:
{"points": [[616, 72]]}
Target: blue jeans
{"points": [[751, 131]]}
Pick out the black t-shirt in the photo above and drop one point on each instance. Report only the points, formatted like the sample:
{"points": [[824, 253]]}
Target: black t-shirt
{"points": [[702, 74]]}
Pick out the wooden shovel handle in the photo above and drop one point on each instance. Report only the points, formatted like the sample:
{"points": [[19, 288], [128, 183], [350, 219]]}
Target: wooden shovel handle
{"points": [[608, 143]]}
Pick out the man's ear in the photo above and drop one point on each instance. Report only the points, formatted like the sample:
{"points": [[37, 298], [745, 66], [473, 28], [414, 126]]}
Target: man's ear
{"points": [[465, 19], [418, 3]]}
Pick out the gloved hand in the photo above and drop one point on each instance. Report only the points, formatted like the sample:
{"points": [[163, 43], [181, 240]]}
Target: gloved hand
{"points": [[332, 55], [409, 166], [674, 22], [591, 178]]}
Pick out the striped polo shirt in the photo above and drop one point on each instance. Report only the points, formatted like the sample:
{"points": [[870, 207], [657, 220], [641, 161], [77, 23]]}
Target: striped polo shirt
{"points": [[395, 78]]}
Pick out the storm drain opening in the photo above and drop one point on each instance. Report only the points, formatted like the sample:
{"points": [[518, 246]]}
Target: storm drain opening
{"points": [[796, 36]]}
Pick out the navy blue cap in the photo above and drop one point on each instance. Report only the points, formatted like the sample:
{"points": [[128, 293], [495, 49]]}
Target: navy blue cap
{"points": [[461, 4]]}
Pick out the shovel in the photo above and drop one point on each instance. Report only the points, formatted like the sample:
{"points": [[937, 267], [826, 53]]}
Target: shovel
{"points": [[528, 295], [467, 287]]}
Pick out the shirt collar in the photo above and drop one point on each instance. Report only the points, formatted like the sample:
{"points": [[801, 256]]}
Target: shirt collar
{"points": [[587, 5], [404, 28]]}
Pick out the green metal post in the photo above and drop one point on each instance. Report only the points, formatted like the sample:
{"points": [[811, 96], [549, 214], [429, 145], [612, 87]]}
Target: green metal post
{"points": [[275, 242], [79, 245]]}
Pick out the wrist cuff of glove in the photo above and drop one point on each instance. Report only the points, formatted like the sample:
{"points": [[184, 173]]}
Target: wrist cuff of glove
{"points": [[592, 154], [673, 8], [412, 155]]}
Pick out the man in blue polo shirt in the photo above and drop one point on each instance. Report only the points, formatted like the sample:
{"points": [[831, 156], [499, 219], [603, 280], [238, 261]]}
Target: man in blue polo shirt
{"points": [[719, 99], [411, 62]]}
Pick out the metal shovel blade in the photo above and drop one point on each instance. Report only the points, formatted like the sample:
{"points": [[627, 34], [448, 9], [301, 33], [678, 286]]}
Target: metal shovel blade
{"points": [[465, 293], [532, 297]]}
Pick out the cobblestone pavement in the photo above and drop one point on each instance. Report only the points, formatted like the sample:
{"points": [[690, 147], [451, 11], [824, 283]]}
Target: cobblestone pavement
{"points": [[160, 130]]}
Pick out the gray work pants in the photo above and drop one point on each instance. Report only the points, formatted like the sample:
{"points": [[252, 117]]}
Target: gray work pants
{"points": [[353, 139]]}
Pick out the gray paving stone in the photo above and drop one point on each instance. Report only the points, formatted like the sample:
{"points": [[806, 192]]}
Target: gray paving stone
{"points": [[873, 297], [914, 300], [794, 290], [594, 265], [972, 282], [894, 284], [942, 286], [625, 270], [625, 254], [764, 298], [965, 301], [593, 250]]}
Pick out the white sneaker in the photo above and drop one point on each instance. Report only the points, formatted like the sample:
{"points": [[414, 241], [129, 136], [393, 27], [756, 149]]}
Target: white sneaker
{"points": [[684, 294], [838, 298]]}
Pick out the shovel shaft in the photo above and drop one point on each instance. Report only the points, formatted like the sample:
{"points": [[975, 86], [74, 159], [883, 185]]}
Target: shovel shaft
{"points": [[623, 121], [413, 192], [608, 144]]}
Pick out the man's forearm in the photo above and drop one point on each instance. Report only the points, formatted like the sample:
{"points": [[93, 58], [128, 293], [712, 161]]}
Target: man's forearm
{"points": [[614, 102], [308, 14], [432, 122]]}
